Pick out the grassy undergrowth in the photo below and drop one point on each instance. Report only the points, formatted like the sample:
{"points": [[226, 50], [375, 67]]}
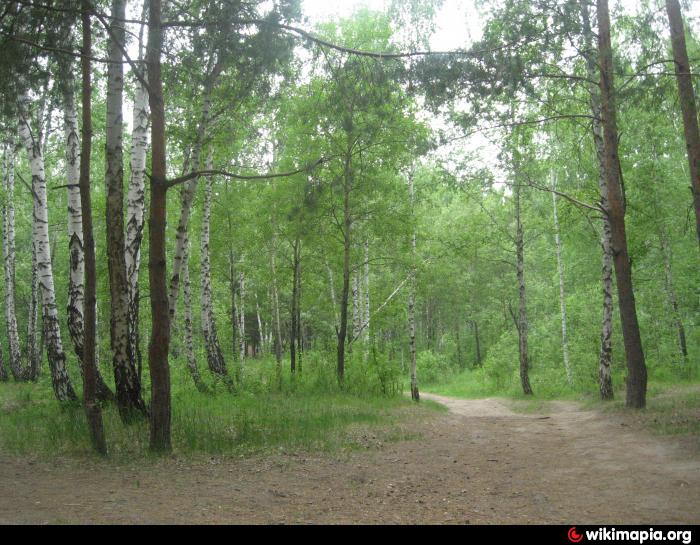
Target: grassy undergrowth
{"points": [[271, 410]]}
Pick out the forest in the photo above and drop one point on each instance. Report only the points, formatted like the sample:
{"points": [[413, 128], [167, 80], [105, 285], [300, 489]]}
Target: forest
{"points": [[230, 227]]}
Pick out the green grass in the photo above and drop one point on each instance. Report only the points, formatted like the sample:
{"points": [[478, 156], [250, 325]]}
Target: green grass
{"points": [[671, 410], [268, 413]]}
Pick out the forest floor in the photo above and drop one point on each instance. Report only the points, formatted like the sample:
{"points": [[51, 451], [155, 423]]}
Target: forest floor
{"points": [[485, 461]]}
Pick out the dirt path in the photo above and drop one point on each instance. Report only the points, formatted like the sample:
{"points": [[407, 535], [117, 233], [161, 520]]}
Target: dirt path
{"points": [[479, 463]]}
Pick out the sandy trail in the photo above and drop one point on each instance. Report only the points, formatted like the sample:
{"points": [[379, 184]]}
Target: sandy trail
{"points": [[479, 463]]}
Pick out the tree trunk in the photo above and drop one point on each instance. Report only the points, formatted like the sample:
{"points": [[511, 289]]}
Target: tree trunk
{"points": [[276, 303], [636, 366], [562, 292], [415, 394], [347, 226], [76, 284], [9, 256], [40, 235], [126, 379], [89, 330], [365, 321], [605, 354], [477, 342], [294, 329], [241, 318], [215, 356], [261, 330], [160, 318], [686, 93], [522, 321], [33, 351], [189, 341], [135, 202], [334, 302], [672, 299], [188, 193]]}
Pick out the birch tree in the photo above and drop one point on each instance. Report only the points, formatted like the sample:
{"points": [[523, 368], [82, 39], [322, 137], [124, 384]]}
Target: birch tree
{"points": [[215, 356], [32, 141], [562, 291], [126, 378], [9, 260], [135, 203]]}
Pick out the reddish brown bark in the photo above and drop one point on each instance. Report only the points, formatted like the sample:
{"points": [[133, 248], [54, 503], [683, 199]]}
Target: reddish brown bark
{"points": [[636, 366]]}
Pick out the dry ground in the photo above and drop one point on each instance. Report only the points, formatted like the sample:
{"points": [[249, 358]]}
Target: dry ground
{"points": [[480, 463]]}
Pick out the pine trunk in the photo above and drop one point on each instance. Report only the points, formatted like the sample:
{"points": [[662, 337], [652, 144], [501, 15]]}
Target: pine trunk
{"points": [[672, 299], [89, 329], [636, 366], [276, 303], [522, 321], [160, 318], [686, 93]]}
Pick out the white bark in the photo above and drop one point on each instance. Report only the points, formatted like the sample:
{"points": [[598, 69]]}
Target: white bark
{"points": [[187, 199], [415, 395], [40, 237], [9, 259], [261, 331], [241, 316], [562, 291], [128, 386], [135, 202], [189, 337], [215, 356], [365, 292]]}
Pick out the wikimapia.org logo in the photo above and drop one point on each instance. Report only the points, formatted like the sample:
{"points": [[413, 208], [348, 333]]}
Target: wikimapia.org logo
{"points": [[637, 536]]}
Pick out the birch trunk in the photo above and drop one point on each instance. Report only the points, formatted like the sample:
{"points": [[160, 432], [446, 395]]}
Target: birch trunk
{"points": [[189, 341], [261, 331], [62, 386], [365, 302], [522, 321], [356, 310], [215, 356], [9, 259], [241, 317], [188, 193], [415, 394], [33, 352], [562, 292], [135, 203], [605, 354], [126, 379], [76, 284]]}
